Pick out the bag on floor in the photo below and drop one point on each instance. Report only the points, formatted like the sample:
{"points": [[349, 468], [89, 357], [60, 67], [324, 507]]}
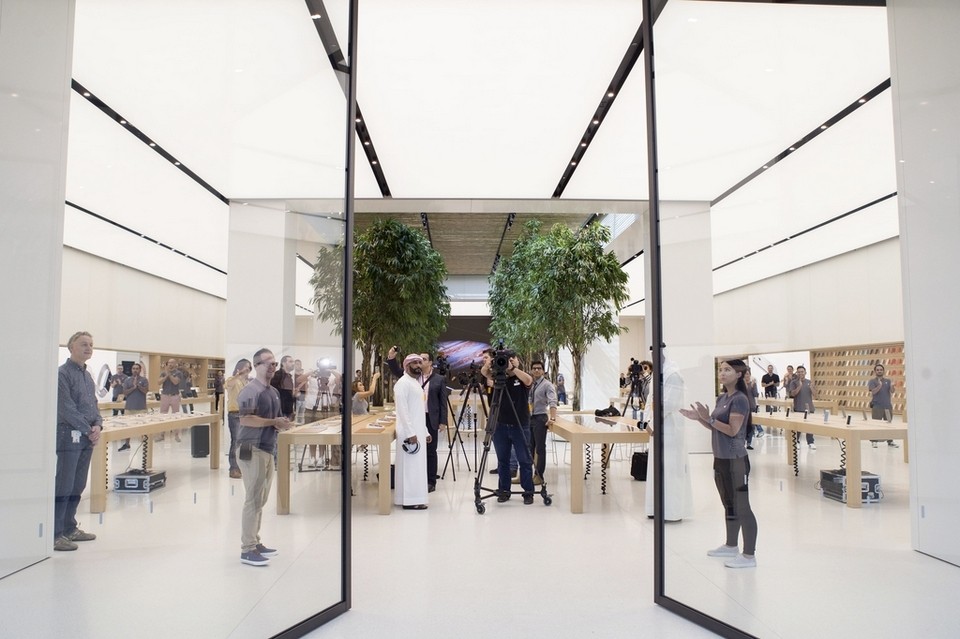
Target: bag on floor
{"points": [[638, 465]]}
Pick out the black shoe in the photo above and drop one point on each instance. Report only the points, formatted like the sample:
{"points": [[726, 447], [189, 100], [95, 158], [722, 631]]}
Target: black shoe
{"points": [[749, 447], [494, 471], [125, 447], [431, 488], [527, 500], [502, 497]]}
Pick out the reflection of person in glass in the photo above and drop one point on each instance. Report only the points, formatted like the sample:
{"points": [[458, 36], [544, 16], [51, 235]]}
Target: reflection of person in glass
{"points": [[677, 487], [412, 437], [728, 424], [78, 431], [235, 384], [881, 399], [260, 419]]}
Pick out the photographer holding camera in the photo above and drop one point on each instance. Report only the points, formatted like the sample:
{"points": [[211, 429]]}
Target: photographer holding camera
{"points": [[512, 428]]}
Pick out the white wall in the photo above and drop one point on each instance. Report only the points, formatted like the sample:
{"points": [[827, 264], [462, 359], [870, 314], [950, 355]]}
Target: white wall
{"points": [[850, 299], [36, 46], [926, 96], [126, 309]]}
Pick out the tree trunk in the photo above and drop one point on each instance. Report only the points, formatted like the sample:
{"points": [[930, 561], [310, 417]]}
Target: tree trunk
{"points": [[366, 352], [554, 364], [577, 373]]}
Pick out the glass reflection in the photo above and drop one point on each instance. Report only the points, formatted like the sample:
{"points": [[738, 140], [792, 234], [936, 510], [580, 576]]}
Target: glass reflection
{"points": [[775, 156]]}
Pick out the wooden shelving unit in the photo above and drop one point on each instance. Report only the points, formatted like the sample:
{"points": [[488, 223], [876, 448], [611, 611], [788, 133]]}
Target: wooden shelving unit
{"points": [[841, 374]]}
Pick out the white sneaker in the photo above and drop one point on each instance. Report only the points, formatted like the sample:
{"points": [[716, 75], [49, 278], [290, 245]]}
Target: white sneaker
{"points": [[741, 561], [812, 446], [724, 551]]}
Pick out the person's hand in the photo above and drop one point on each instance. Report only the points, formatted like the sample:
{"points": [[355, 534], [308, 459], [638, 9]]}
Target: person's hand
{"points": [[703, 412], [94, 434], [412, 439], [429, 438], [281, 423], [392, 353]]}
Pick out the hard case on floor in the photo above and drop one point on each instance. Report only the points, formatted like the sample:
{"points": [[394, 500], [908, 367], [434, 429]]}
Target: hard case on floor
{"points": [[833, 485], [139, 481], [199, 441], [638, 465]]}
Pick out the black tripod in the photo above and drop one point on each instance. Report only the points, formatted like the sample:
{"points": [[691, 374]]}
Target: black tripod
{"points": [[473, 387], [499, 391], [634, 394]]}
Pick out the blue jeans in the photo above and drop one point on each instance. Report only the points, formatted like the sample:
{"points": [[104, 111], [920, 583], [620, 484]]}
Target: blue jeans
{"points": [[73, 466], [517, 438], [233, 425]]}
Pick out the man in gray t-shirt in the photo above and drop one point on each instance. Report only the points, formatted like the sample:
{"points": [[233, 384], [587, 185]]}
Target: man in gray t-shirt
{"points": [[881, 399], [801, 390]]}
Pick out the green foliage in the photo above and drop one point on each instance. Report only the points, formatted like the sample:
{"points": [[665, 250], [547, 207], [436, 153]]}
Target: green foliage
{"points": [[399, 295], [560, 289]]}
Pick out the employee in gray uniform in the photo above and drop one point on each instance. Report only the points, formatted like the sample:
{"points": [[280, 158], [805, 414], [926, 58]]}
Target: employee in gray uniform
{"points": [[543, 399], [881, 399]]}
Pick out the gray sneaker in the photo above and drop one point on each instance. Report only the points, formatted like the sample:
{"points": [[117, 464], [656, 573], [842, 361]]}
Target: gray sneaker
{"points": [[62, 543], [253, 558], [79, 535]]}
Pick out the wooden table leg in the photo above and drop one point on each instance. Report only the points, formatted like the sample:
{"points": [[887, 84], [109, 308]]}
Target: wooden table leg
{"points": [[383, 483], [576, 475], [854, 464], [99, 478], [215, 443], [283, 476]]}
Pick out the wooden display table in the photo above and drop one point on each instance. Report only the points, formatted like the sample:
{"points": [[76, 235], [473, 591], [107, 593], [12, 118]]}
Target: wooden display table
{"points": [[851, 437], [582, 430], [104, 407], [328, 432], [135, 427], [818, 404]]}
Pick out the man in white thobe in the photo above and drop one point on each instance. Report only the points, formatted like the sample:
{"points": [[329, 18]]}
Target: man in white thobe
{"points": [[412, 437], [677, 487]]}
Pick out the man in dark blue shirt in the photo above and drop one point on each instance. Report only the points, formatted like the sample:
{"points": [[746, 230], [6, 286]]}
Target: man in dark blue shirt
{"points": [[78, 431]]}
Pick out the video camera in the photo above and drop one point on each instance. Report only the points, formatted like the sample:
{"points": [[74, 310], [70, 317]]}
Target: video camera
{"points": [[634, 369], [471, 377], [500, 361], [441, 365]]}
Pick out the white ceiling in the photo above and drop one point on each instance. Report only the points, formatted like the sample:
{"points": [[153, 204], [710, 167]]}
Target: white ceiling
{"points": [[488, 100]]}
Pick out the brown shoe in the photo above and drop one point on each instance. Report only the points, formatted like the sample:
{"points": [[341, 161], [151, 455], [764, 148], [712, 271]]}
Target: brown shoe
{"points": [[235, 473]]}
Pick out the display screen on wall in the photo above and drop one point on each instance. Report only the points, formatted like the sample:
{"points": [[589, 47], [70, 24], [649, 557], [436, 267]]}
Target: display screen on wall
{"points": [[464, 341]]}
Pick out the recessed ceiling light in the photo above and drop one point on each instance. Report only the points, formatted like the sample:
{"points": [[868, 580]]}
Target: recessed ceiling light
{"points": [[366, 143], [596, 121], [574, 163], [583, 144], [823, 127], [610, 94], [792, 148], [14, 95], [902, 161], [862, 100], [765, 166], [123, 121], [932, 182], [86, 94], [153, 144], [316, 16], [176, 164], [374, 162], [358, 119]]}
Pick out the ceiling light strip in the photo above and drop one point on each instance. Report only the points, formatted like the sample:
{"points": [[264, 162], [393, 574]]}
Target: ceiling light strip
{"points": [[140, 135], [328, 38], [808, 230], [142, 236], [631, 258], [853, 106], [633, 53]]}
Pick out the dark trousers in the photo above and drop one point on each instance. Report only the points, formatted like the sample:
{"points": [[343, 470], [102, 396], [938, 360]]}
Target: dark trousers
{"points": [[119, 411], [732, 479], [505, 438], [73, 466], [432, 453], [233, 425], [538, 436], [216, 401]]}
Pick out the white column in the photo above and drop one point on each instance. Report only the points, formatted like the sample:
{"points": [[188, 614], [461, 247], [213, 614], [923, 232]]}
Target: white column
{"points": [[926, 100], [36, 49]]}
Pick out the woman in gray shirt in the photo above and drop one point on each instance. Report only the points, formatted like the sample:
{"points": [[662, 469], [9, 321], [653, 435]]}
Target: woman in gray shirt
{"points": [[728, 424]]}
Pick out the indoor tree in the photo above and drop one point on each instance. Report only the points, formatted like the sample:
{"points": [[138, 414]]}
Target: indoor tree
{"points": [[399, 296]]}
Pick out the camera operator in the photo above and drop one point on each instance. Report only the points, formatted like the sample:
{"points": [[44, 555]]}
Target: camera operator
{"points": [[513, 421]]}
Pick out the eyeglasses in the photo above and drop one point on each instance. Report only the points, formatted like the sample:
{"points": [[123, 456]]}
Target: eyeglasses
{"points": [[269, 364]]}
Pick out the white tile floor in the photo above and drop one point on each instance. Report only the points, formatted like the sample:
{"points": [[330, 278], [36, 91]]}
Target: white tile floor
{"points": [[825, 570]]}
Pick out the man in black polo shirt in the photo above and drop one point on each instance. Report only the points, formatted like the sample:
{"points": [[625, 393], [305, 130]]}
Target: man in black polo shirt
{"points": [[513, 423]]}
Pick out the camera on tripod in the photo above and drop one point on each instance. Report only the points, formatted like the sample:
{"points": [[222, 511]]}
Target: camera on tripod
{"points": [[470, 377], [500, 361]]}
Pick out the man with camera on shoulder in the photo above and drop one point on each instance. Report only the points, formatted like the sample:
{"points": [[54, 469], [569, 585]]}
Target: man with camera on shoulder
{"points": [[512, 427]]}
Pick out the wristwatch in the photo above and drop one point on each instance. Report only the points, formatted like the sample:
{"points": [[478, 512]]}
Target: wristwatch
{"points": [[712, 421]]}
